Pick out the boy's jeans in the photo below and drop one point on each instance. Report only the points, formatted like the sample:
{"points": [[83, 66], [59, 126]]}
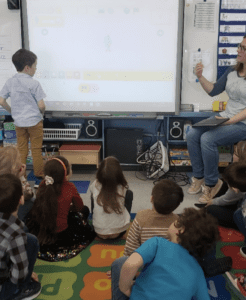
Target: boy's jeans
{"points": [[35, 133], [202, 143], [115, 278], [8, 288]]}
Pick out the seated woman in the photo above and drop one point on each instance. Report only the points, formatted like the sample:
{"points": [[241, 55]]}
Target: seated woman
{"points": [[51, 219]]}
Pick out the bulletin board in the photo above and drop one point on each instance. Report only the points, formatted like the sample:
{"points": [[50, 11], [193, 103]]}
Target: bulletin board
{"points": [[232, 28]]}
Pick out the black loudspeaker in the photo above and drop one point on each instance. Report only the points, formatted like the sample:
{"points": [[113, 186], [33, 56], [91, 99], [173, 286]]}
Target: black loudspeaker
{"points": [[124, 144], [176, 129], [92, 129]]}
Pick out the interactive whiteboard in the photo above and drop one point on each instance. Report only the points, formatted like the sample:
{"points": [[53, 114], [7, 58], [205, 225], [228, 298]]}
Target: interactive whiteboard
{"points": [[106, 55]]}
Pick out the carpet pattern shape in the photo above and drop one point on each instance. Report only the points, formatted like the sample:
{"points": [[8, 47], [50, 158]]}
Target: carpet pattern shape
{"points": [[84, 276]]}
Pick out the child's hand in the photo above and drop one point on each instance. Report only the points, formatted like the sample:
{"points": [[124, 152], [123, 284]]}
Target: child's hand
{"points": [[35, 276]]}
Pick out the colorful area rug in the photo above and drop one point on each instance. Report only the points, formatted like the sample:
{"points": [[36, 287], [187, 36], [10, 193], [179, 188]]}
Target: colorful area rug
{"points": [[84, 276]]}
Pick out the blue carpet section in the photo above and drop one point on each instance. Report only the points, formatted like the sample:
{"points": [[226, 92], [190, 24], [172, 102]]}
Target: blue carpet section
{"points": [[31, 176], [82, 186]]}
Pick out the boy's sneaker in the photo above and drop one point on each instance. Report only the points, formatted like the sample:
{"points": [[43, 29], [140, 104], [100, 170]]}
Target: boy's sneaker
{"points": [[210, 192], [196, 186], [37, 182], [30, 292], [243, 251]]}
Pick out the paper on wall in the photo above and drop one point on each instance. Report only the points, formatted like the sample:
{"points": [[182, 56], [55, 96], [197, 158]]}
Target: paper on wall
{"points": [[204, 15], [206, 58]]}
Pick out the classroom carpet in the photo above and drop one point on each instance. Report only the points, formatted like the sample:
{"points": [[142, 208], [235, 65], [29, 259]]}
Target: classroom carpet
{"points": [[81, 185], [84, 276]]}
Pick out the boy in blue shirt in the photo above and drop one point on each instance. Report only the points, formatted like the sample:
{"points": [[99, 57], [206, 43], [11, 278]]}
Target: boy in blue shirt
{"points": [[18, 251], [27, 107], [171, 270]]}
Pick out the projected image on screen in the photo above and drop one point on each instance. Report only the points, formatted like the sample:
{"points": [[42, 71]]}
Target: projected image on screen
{"points": [[105, 55]]}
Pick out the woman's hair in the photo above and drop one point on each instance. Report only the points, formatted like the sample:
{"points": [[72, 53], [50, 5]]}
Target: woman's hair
{"points": [[8, 163], [200, 231], [235, 176], [110, 176], [43, 215], [239, 66], [240, 151]]}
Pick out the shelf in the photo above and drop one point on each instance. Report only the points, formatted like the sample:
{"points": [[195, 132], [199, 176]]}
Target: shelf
{"points": [[176, 142]]}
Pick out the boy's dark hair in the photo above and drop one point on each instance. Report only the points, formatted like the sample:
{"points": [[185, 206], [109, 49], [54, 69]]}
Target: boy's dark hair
{"points": [[167, 195], [200, 231], [42, 220], [10, 193], [23, 58], [235, 176]]}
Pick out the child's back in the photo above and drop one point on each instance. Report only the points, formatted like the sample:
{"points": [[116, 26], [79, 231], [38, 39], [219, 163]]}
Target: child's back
{"points": [[166, 197], [111, 202], [109, 223]]}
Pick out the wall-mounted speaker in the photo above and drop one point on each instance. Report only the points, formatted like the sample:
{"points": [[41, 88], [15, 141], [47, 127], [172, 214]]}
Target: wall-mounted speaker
{"points": [[176, 129], [92, 129]]}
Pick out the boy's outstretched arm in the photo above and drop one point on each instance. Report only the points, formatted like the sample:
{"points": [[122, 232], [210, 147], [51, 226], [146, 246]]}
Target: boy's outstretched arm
{"points": [[41, 106], [4, 104], [128, 272]]}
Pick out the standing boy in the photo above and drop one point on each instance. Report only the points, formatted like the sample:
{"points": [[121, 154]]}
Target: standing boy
{"points": [[27, 107], [171, 270], [18, 251]]}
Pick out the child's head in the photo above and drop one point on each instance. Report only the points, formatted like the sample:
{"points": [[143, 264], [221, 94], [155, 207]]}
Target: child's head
{"points": [[23, 58], [235, 176], [239, 154], [110, 176], [196, 230], [57, 168], [10, 193], [166, 196], [110, 172], [10, 161]]}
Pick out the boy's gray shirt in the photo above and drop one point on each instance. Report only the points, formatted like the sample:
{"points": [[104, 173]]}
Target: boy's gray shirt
{"points": [[25, 93], [229, 198]]}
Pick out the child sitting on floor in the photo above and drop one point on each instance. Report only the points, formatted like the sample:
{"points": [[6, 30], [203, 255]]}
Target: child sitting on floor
{"points": [[223, 207], [171, 269], [10, 162], [235, 176], [111, 201], [18, 250], [50, 218], [166, 197]]}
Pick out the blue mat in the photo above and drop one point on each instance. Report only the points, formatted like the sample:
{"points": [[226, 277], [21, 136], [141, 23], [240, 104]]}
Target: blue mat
{"points": [[82, 186], [31, 176]]}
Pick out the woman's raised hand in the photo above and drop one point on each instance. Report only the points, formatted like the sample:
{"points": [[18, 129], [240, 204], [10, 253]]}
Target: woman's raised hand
{"points": [[198, 69]]}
